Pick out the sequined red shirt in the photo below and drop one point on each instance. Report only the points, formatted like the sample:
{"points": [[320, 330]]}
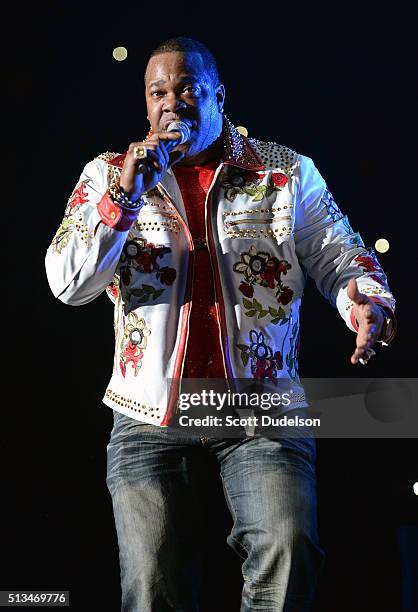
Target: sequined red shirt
{"points": [[203, 354]]}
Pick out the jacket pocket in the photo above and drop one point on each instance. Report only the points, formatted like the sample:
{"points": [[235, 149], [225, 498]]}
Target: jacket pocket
{"points": [[258, 224]]}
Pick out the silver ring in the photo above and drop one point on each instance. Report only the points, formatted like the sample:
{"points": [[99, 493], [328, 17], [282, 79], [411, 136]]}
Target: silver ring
{"points": [[367, 356]]}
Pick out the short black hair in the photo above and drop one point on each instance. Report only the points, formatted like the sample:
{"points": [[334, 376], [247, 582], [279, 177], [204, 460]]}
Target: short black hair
{"points": [[184, 45]]}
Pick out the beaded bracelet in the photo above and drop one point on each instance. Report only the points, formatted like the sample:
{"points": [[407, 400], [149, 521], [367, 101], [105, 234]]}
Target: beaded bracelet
{"points": [[120, 197]]}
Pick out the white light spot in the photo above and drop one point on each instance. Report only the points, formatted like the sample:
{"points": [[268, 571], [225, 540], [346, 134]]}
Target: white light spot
{"points": [[415, 488], [120, 54], [242, 130], [381, 245]]}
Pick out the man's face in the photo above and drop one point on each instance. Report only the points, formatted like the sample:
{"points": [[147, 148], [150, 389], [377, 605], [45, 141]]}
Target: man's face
{"points": [[178, 87]]}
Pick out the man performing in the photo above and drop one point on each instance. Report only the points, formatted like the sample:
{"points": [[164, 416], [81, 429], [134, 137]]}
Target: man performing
{"points": [[203, 238]]}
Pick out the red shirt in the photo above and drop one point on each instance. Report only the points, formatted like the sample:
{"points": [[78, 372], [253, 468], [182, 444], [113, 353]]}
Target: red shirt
{"points": [[203, 354]]}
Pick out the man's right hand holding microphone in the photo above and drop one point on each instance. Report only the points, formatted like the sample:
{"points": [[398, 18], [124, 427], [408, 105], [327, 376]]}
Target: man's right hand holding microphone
{"points": [[146, 162]]}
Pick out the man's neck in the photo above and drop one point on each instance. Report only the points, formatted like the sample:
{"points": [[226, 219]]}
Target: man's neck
{"points": [[214, 151]]}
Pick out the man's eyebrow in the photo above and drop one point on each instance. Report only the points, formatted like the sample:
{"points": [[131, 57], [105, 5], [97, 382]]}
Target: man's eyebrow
{"points": [[186, 77], [156, 83]]}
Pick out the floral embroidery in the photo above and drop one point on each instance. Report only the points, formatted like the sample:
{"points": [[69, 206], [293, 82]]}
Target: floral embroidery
{"points": [[366, 262], [113, 287], [77, 198], [69, 223], [133, 343], [279, 179], [276, 314], [167, 275], [140, 256], [369, 263], [237, 180], [356, 239], [63, 235], [293, 354], [260, 269], [347, 225], [263, 362], [331, 206]]}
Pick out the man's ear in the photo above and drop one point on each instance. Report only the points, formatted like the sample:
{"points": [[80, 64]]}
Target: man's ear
{"points": [[220, 96]]}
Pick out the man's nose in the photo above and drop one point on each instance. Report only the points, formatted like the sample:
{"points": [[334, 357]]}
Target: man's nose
{"points": [[173, 103]]}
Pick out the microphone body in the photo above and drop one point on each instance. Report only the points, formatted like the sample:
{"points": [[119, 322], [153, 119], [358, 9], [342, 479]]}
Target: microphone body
{"points": [[169, 145]]}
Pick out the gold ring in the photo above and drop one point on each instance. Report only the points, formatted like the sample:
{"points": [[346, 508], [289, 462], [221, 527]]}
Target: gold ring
{"points": [[140, 152]]}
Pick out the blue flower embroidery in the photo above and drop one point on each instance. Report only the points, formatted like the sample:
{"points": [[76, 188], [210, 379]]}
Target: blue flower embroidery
{"points": [[263, 362], [331, 206], [258, 345]]}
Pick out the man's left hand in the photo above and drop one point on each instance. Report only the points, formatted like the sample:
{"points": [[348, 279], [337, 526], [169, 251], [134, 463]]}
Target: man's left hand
{"points": [[370, 319]]}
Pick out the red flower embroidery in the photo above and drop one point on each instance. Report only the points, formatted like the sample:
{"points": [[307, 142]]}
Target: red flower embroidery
{"points": [[259, 268], [281, 268], [279, 179], [273, 271], [141, 257], [260, 368], [285, 296], [252, 177], [79, 196], [167, 276], [367, 263], [266, 367], [130, 354], [246, 289], [278, 359], [269, 372], [269, 275], [130, 349], [144, 260], [113, 290], [122, 368], [157, 251]]}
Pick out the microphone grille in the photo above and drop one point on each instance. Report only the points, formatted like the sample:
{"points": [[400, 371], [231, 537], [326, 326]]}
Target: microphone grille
{"points": [[182, 127]]}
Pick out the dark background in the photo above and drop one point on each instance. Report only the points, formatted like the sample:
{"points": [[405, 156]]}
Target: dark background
{"points": [[334, 84]]}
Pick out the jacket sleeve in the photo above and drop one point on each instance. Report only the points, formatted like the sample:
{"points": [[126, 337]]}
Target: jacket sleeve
{"points": [[84, 253], [329, 250]]}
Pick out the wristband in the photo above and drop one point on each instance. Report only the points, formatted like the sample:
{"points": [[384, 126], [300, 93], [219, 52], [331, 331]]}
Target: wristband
{"points": [[388, 329], [121, 198]]}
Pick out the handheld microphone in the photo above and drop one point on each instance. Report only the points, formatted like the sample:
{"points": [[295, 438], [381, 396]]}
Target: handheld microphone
{"points": [[174, 126]]}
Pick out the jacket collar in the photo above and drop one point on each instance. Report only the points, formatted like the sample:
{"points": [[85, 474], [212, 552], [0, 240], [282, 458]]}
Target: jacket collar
{"points": [[237, 150]]}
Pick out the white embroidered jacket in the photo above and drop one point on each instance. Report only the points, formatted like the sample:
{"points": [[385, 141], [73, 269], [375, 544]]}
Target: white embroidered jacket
{"points": [[270, 219]]}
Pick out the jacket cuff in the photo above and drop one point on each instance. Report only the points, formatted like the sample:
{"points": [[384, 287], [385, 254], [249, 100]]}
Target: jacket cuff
{"points": [[112, 215]]}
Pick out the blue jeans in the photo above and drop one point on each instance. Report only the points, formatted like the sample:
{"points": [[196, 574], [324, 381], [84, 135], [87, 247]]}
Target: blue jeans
{"points": [[270, 488]]}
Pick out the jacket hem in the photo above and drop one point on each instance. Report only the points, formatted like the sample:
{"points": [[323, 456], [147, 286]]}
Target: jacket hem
{"points": [[121, 404]]}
